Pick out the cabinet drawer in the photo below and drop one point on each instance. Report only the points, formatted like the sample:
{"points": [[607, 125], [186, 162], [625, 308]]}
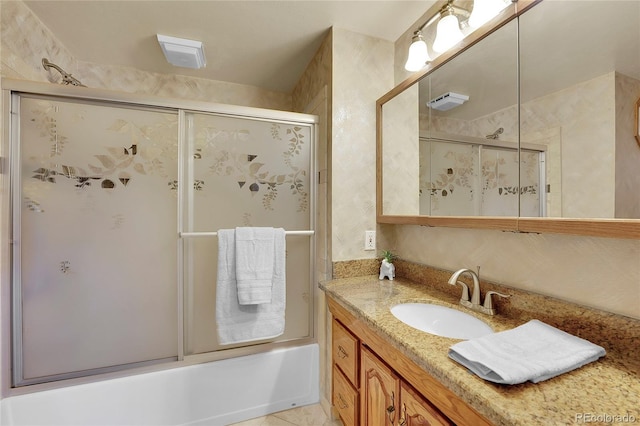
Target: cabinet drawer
{"points": [[345, 398], [345, 352]]}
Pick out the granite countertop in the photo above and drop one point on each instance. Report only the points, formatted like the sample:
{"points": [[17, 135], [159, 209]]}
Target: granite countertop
{"points": [[603, 392]]}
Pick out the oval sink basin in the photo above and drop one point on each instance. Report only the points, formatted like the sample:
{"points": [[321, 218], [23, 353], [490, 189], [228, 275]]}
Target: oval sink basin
{"points": [[440, 320]]}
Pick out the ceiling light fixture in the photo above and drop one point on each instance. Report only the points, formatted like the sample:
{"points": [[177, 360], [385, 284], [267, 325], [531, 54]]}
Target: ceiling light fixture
{"points": [[182, 52]]}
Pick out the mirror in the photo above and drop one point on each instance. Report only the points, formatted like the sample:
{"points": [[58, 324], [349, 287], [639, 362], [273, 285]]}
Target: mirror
{"points": [[580, 80], [468, 147], [552, 139]]}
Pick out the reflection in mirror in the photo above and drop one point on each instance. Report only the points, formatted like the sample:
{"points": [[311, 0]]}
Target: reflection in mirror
{"points": [[448, 149], [468, 147], [400, 166], [580, 80]]}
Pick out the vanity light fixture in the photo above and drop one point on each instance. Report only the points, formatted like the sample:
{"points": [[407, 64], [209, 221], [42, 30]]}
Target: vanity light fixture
{"points": [[484, 10], [418, 54], [448, 32], [182, 52]]}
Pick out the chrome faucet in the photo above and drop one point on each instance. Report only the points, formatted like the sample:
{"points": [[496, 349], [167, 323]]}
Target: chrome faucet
{"points": [[474, 303]]}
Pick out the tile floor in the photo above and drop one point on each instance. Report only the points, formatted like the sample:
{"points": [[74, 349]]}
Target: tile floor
{"points": [[311, 415]]}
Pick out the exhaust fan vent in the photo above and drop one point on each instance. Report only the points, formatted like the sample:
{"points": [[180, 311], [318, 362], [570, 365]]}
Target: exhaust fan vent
{"points": [[182, 52], [447, 101]]}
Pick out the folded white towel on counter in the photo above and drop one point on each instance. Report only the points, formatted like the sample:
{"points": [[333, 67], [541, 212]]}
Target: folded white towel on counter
{"points": [[238, 323], [254, 264], [534, 352]]}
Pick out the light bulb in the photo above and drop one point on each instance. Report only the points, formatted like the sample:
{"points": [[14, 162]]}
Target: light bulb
{"points": [[448, 33], [484, 10], [418, 54]]}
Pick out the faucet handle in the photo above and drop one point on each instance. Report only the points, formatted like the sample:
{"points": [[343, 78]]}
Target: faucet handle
{"points": [[465, 291], [488, 303]]}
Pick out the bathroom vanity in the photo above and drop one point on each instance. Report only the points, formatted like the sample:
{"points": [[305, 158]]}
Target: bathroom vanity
{"points": [[375, 384], [388, 373]]}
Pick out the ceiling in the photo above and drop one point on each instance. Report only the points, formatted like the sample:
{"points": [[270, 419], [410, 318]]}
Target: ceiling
{"points": [[264, 43]]}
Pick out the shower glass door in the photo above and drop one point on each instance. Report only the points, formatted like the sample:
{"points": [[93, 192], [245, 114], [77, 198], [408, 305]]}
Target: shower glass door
{"points": [[95, 238], [245, 171]]}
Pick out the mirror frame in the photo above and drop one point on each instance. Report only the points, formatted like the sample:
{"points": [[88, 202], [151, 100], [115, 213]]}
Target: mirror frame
{"points": [[637, 134], [611, 228]]}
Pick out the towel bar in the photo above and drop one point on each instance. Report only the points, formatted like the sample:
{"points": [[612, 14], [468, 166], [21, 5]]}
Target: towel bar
{"points": [[214, 234]]}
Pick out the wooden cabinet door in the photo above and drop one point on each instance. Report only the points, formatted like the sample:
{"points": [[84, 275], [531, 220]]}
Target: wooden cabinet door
{"points": [[417, 411], [379, 392]]}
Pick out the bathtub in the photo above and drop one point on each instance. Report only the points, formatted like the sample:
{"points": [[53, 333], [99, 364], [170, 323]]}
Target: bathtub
{"points": [[215, 393]]}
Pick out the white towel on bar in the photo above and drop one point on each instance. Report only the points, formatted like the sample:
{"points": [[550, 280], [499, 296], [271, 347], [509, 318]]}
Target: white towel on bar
{"points": [[244, 323], [534, 352], [254, 264]]}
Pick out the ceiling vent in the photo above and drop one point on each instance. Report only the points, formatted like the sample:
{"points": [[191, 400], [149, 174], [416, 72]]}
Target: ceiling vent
{"points": [[182, 52], [447, 101]]}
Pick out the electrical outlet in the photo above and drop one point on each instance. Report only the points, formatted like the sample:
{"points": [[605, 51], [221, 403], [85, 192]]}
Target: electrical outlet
{"points": [[369, 240]]}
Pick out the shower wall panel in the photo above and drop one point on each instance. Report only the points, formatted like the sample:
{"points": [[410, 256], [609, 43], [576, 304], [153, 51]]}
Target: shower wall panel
{"points": [[97, 237]]}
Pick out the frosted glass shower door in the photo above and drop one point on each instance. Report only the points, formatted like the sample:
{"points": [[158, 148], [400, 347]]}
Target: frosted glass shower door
{"points": [[453, 179], [500, 185], [95, 278], [468, 179], [246, 172]]}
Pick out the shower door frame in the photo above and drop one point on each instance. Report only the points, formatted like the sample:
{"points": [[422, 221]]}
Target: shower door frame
{"points": [[9, 213]]}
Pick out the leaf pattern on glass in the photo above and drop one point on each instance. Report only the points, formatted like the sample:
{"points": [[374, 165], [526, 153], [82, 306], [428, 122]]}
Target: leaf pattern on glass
{"points": [[491, 173], [33, 205], [150, 147], [248, 171], [48, 126], [275, 131], [460, 174], [45, 175], [65, 266]]}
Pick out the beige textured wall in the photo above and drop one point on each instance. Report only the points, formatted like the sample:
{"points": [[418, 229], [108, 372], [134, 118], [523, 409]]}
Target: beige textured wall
{"points": [[362, 72]]}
